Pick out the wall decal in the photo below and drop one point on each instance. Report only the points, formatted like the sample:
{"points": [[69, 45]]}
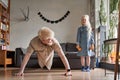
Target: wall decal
{"points": [[26, 15], [53, 21]]}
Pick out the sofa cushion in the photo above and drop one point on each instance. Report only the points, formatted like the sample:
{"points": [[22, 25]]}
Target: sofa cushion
{"points": [[34, 54], [63, 45], [71, 47], [71, 51]]}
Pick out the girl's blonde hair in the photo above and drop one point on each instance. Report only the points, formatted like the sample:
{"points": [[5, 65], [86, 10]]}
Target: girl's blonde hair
{"points": [[89, 28], [45, 33]]}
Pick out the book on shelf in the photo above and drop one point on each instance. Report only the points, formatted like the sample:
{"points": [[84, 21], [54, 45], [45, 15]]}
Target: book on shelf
{"points": [[4, 27], [1, 35], [2, 41], [4, 47]]}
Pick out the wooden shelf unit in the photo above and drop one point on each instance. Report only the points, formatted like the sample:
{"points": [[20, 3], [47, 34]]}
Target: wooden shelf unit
{"points": [[4, 33]]}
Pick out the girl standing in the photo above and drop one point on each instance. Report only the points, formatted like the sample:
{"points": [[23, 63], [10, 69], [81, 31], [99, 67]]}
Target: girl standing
{"points": [[85, 42]]}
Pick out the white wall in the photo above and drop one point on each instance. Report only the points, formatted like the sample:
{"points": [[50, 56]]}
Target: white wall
{"points": [[21, 32]]}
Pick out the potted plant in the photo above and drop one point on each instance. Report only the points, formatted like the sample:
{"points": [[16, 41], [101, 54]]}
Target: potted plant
{"points": [[113, 23], [102, 14], [102, 27], [113, 19]]}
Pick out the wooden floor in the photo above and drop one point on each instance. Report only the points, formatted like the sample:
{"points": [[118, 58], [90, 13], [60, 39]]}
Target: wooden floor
{"points": [[55, 74]]}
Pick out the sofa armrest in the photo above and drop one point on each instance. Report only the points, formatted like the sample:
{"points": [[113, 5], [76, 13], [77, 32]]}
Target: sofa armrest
{"points": [[19, 57], [19, 51]]}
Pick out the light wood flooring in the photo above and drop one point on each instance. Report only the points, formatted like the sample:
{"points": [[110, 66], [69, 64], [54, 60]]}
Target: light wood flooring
{"points": [[55, 74]]}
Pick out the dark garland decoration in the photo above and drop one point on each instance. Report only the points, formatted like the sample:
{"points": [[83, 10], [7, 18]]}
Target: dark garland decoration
{"points": [[55, 21]]}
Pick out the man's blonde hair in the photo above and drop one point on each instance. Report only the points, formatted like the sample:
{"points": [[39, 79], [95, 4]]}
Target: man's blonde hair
{"points": [[45, 33]]}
